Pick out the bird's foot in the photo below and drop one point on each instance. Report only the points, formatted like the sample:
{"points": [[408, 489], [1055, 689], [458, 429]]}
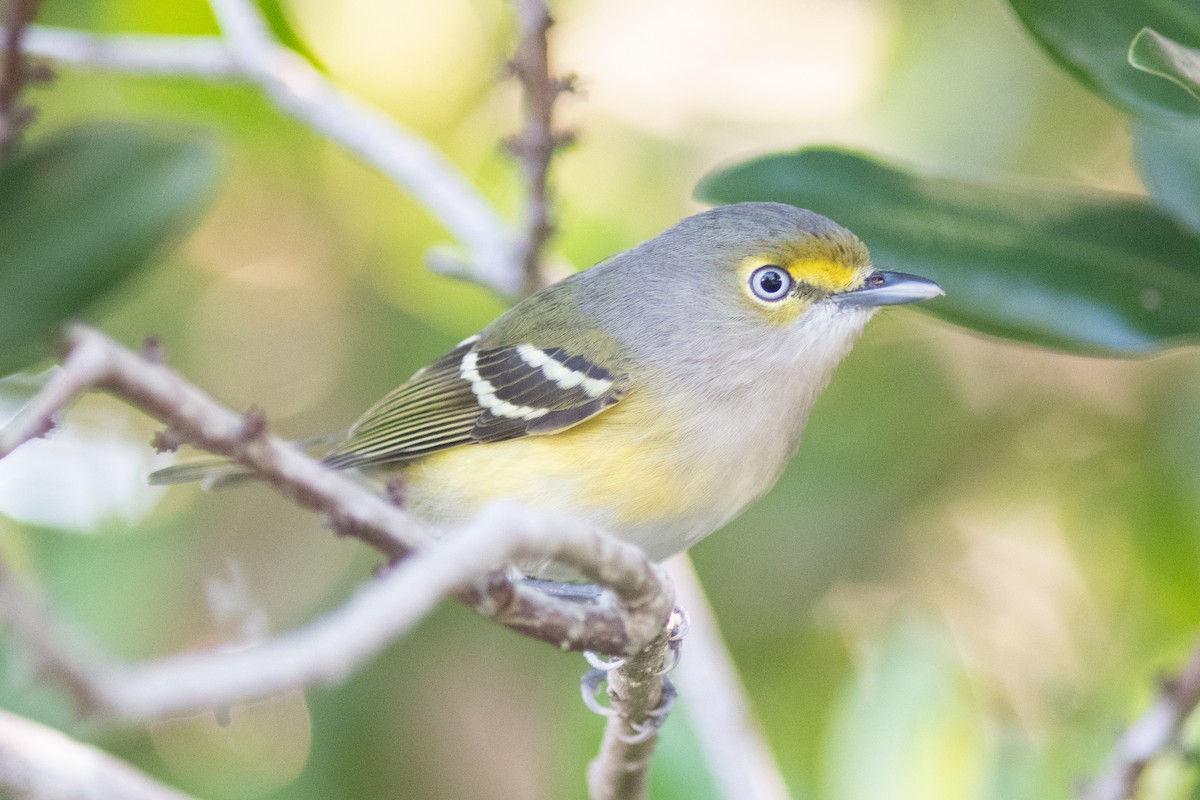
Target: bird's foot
{"points": [[565, 591], [590, 685]]}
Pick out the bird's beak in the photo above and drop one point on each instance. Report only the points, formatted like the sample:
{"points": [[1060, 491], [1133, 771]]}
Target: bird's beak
{"points": [[890, 289]]}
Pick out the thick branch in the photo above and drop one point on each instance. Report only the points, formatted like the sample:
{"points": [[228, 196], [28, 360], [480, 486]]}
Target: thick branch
{"points": [[329, 649], [619, 625], [621, 770], [1151, 736], [39, 763]]}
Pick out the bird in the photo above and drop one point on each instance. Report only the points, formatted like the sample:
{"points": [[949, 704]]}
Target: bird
{"points": [[655, 395]]}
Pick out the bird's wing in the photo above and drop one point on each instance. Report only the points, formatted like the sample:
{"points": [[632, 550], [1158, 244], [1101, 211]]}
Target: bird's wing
{"points": [[476, 394]]}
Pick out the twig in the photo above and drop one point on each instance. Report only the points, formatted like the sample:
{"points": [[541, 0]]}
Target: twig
{"points": [[39, 763], [537, 142], [180, 56], [613, 626], [248, 52], [739, 758], [1155, 732], [329, 649], [14, 74]]}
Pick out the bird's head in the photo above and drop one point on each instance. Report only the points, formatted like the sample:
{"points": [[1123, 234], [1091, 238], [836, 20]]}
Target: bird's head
{"points": [[762, 285], [777, 263], [758, 270]]}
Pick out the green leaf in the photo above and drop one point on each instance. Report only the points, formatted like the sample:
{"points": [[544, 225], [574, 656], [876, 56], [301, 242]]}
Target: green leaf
{"points": [[1168, 160], [1090, 38], [1154, 53], [82, 211], [1074, 270]]}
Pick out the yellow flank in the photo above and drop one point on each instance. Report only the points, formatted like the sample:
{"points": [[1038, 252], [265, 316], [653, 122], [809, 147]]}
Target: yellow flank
{"points": [[611, 469]]}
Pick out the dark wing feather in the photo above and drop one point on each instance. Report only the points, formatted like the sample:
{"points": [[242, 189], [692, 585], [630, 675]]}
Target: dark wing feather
{"points": [[477, 394]]}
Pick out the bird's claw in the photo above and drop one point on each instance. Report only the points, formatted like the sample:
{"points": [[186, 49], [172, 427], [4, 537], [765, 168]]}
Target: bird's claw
{"points": [[673, 655], [678, 624], [677, 628], [590, 687], [598, 662], [594, 678], [654, 719], [641, 733]]}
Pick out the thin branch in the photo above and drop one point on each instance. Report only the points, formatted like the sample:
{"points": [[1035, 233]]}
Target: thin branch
{"points": [[619, 626], [1152, 735], [14, 74], [248, 52], [39, 763], [326, 651], [206, 57], [537, 142], [736, 753]]}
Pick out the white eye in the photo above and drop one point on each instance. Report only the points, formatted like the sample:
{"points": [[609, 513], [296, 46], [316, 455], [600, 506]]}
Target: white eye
{"points": [[770, 283]]}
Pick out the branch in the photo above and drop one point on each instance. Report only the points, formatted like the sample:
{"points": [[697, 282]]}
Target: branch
{"points": [[639, 706], [166, 56], [537, 142], [39, 763], [739, 758], [736, 754], [14, 74], [248, 52], [631, 613], [325, 651], [1155, 732]]}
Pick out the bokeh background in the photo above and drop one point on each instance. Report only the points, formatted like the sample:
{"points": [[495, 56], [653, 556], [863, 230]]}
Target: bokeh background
{"points": [[964, 585]]}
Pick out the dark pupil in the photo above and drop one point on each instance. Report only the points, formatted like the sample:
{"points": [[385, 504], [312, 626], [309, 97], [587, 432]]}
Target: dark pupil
{"points": [[770, 282]]}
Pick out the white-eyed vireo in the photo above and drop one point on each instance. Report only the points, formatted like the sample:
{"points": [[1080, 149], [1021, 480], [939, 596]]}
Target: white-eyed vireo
{"points": [[656, 394]]}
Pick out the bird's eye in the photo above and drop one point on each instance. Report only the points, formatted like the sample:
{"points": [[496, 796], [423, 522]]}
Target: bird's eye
{"points": [[770, 283]]}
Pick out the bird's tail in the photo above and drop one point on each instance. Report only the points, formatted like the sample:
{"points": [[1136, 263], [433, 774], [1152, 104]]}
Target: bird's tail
{"points": [[219, 473], [213, 473]]}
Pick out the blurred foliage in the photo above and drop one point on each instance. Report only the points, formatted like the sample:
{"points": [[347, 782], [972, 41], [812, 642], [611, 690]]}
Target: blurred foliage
{"points": [[1169, 163], [79, 213], [1159, 55], [1081, 271], [961, 588], [1091, 38]]}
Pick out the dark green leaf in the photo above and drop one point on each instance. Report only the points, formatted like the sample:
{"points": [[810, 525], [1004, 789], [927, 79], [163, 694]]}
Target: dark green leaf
{"points": [[1091, 39], [1074, 270], [82, 211], [1154, 53]]}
